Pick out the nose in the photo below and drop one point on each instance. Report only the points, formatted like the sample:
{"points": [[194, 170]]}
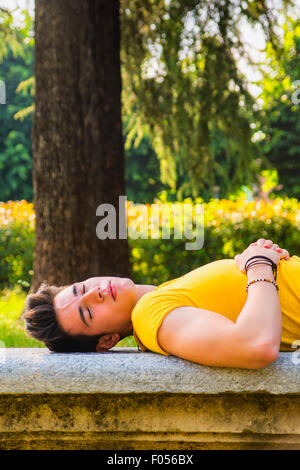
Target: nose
{"points": [[96, 294]]}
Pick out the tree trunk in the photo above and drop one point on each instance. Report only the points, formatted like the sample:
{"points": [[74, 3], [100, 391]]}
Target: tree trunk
{"points": [[77, 140]]}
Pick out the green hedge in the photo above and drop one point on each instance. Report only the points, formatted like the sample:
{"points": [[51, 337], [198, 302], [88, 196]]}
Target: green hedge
{"points": [[230, 226], [16, 244]]}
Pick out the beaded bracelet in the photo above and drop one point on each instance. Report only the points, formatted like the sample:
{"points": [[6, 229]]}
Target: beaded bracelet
{"points": [[261, 279]]}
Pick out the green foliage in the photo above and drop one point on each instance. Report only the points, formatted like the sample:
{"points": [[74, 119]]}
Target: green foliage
{"points": [[16, 244], [281, 127], [229, 228], [142, 174], [16, 255], [16, 168], [282, 146], [187, 126], [183, 82], [11, 36], [15, 135], [12, 332], [128, 342]]}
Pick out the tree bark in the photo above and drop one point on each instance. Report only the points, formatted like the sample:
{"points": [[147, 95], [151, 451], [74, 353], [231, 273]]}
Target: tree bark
{"points": [[77, 140]]}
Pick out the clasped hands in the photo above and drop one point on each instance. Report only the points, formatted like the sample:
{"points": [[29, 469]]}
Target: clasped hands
{"points": [[261, 247]]}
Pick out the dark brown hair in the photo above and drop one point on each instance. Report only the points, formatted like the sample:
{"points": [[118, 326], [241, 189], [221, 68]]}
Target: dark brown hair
{"points": [[41, 323]]}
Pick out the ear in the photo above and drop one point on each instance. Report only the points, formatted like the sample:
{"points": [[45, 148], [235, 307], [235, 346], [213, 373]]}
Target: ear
{"points": [[107, 341]]}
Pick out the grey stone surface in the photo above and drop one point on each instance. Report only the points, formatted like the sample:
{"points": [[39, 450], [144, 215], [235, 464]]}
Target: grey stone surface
{"points": [[126, 370]]}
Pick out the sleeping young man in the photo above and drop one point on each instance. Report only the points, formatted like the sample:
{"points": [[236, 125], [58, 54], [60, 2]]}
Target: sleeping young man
{"points": [[230, 313]]}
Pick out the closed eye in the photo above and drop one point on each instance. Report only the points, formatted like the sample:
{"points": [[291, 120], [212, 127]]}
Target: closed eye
{"points": [[90, 314], [75, 292], [88, 309]]}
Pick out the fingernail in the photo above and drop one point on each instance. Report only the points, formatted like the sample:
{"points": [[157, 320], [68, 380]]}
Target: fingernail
{"points": [[278, 249]]}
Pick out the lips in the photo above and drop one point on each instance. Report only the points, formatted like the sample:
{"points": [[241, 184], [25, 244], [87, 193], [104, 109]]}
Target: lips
{"points": [[112, 291]]}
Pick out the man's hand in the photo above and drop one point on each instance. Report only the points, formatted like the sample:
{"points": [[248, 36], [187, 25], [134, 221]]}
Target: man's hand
{"points": [[254, 250], [271, 246]]}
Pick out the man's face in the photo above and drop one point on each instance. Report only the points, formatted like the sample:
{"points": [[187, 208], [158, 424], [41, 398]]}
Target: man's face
{"points": [[88, 307]]}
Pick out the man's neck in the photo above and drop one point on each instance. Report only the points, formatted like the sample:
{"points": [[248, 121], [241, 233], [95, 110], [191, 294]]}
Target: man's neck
{"points": [[142, 289]]}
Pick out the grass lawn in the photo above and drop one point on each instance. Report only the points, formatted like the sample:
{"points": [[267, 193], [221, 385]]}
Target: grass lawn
{"points": [[12, 334]]}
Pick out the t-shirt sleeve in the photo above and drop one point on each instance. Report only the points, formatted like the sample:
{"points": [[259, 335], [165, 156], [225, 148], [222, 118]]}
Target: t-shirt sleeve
{"points": [[148, 315]]}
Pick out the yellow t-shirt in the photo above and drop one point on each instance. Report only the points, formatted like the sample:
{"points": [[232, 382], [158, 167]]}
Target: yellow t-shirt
{"points": [[219, 287]]}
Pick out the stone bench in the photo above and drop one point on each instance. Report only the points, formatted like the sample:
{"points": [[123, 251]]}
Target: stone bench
{"points": [[125, 399]]}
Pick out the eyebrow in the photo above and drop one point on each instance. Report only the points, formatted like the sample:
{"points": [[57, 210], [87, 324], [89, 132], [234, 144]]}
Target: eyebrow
{"points": [[80, 309]]}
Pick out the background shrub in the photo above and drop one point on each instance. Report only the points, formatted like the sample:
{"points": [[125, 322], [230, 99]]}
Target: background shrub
{"points": [[229, 227], [16, 244]]}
